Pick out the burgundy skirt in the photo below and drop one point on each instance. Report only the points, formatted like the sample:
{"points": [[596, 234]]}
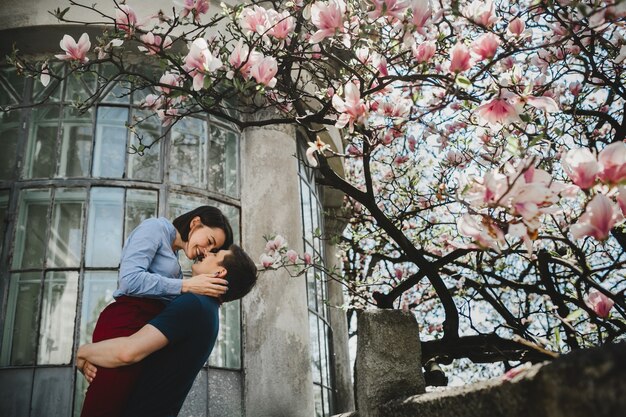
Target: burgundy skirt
{"points": [[108, 394]]}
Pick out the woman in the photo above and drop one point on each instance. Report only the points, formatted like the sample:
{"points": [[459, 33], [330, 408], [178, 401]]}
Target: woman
{"points": [[150, 276]]}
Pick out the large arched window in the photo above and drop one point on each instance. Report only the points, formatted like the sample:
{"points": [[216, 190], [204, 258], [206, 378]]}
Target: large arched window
{"points": [[70, 193]]}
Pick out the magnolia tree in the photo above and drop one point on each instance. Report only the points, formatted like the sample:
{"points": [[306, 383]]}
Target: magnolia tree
{"points": [[484, 147]]}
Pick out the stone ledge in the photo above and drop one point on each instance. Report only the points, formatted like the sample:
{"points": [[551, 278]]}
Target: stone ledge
{"points": [[584, 383]]}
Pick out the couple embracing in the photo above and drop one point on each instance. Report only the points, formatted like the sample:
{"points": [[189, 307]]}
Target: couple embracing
{"points": [[151, 342]]}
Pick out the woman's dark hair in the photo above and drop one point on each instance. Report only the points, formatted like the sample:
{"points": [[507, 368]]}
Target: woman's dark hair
{"points": [[240, 273], [209, 216]]}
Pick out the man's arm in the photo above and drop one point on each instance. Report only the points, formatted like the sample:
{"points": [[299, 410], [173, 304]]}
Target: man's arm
{"points": [[122, 351]]}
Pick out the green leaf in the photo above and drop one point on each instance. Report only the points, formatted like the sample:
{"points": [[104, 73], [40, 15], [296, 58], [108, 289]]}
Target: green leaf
{"points": [[574, 315], [463, 82]]}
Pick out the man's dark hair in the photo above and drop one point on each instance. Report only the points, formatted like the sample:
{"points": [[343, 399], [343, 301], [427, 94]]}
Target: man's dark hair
{"points": [[209, 216], [241, 273]]}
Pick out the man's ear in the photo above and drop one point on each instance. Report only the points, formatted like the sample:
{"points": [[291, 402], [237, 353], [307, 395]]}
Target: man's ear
{"points": [[220, 273]]}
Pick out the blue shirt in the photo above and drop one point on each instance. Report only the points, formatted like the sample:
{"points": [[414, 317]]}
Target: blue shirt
{"points": [[190, 323], [149, 266]]}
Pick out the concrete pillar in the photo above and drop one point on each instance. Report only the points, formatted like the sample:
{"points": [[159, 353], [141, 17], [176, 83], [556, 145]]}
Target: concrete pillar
{"points": [[276, 356], [388, 362]]}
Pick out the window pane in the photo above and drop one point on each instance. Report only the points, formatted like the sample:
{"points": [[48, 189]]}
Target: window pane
{"points": [[324, 352], [98, 288], [104, 232], [66, 228], [140, 205], [41, 151], [232, 214], [118, 92], [227, 351], [9, 133], [317, 393], [311, 289], [4, 205], [76, 143], [110, 149], [145, 167], [19, 340], [306, 211], [188, 152], [58, 317], [327, 394], [223, 164], [11, 86], [80, 86], [31, 230], [315, 348]]}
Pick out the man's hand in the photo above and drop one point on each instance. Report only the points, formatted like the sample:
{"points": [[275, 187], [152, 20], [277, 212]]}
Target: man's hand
{"points": [[87, 369], [205, 284]]}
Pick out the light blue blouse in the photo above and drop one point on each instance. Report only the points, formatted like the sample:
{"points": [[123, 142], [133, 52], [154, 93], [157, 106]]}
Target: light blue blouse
{"points": [[149, 266]]}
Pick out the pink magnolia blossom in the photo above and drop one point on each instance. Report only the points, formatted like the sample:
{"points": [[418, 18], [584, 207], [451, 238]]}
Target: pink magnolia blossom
{"points": [[621, 198], [152, 102], [167, 115], [581, 167], [484, 232], [75, 51], [195, 7], [497, 112], [459, 58], [242, 59], [126, 19], [254, 20], [599, 303], [282, 24], [422, 13], [315, 147], [307, 258], [481, 12], [424, 51], [170, 79], [391, 8], [264, 70], [612, 161], [353, 108], [45, 74], [575, 88], [328, 18], [542, 103], [600, 216], [292, 255], [104, 51], [527, 200], [200, 61], [275, 245], [153, 43], [516, 27], [267, 261], [486, 46]]}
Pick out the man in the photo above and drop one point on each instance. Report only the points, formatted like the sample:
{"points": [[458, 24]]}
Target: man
{"points": [[176, 343]]}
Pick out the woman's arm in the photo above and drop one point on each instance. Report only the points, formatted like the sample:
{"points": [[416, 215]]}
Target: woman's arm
{"points": [[122, 351], [137, 256]]}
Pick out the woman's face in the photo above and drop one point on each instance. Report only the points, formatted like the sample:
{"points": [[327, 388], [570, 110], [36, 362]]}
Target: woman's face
{"points": [[203, 240]]}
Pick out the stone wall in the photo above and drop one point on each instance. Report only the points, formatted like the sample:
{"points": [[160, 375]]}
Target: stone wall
{"points": [[584, 383]]}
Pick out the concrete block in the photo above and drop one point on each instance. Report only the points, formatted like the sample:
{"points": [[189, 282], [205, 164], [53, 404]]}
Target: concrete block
{"points": [[388, 363]]}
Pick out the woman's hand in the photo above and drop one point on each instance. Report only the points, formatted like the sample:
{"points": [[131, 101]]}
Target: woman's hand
{"points": [[87, 369], [205, 284]]}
